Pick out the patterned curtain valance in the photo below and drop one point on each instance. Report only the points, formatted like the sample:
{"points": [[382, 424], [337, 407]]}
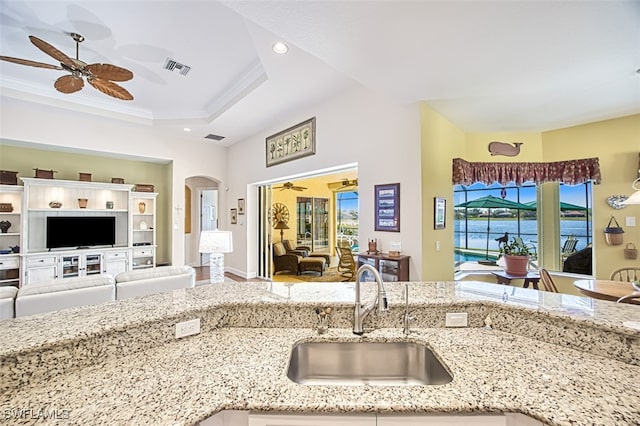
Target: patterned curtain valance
{"points": [[571, 172]]}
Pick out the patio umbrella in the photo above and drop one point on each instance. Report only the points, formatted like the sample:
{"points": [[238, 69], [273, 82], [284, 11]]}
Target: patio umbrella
{"points": [[563, 206], [490, 202]]}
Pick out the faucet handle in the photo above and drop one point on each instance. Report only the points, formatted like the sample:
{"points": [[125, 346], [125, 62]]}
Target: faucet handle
{"points": [[383, 306]]}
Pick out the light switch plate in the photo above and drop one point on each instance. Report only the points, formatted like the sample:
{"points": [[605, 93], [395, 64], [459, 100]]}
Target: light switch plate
{"points": [[630, 221]]}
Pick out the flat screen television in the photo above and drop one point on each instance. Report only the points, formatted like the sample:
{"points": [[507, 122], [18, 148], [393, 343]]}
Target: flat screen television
{"points": [[80, 231]]}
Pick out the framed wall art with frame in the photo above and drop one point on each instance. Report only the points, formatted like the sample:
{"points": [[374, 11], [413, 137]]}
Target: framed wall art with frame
{"points": [[387, 205], [240, 205], [234, 216], [295, 142], [439, 212]]}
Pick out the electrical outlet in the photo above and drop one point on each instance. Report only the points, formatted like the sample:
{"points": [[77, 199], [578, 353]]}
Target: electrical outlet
{"points": [[456, 319], [188, 328]]}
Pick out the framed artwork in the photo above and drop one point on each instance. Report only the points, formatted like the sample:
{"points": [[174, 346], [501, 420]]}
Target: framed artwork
{"points": [[295, 142], [240, 205], [439, 212], [387, 205], [234, 216]]}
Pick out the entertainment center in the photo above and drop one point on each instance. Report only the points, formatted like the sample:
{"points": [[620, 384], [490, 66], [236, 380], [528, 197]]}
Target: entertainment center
{"points": [[77, 228]]}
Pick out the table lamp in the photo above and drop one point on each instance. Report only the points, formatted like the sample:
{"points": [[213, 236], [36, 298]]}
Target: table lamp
{"points": [[281, 225], [216, 243]]}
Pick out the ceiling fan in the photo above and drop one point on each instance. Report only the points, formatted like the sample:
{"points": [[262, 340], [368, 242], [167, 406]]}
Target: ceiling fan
{"points": [[100, 76], [289, 185], [346, 183]]}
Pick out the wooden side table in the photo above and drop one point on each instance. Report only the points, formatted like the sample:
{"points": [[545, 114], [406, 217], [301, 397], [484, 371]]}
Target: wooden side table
{"points": [[532, 278], [391, 268]]}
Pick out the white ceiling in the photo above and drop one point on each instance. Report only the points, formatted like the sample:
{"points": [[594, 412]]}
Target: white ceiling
{"points": [[485, 65]]}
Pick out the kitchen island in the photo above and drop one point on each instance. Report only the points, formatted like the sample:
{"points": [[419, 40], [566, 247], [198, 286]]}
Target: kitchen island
{"points": [[560, 359]]}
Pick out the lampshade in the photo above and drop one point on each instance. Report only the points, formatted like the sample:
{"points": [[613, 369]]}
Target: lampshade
{"points": [[216, 242], [281, 225], [635, 197]]}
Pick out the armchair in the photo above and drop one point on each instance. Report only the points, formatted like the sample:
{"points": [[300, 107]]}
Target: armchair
{"points": [[299, 250], [283, 261]]}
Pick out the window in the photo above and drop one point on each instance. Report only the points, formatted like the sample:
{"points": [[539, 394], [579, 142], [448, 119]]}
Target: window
{"points": [[313, 223], [512, 209], [347, 219]]}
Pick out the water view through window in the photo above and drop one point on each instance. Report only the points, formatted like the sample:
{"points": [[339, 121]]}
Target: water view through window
{"points": [[347, 219], [485, 213]]}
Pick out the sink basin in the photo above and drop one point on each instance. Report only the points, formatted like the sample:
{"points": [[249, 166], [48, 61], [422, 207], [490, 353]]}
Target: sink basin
{"points": [[365, 363]]}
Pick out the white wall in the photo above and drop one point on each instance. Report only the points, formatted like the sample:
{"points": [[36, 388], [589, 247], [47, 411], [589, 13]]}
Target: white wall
{"points": [[23, 121], [357, 126]]}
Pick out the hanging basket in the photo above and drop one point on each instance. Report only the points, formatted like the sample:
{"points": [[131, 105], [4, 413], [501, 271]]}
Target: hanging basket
{"points": [[630, 251], [613, 234]]}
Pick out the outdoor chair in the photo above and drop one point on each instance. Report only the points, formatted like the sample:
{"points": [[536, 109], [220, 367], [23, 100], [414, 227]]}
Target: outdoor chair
{"points": [[569, 247], [530, 246], [627, 274], [547, 281], [347, 263]]}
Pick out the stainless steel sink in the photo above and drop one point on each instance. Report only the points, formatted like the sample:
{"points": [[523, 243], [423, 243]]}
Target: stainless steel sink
{"points": [[365, 363]]}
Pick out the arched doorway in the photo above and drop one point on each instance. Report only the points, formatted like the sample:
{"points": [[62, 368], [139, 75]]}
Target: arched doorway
{"points": [[201, 213]]}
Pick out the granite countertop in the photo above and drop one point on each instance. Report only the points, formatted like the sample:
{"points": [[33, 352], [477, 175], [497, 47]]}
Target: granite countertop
{"points": [[535, 361]]}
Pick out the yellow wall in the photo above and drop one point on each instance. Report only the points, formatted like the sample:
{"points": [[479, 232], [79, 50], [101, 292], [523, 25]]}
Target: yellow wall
{"points": [[102, 169], [440, 142], [476, 147], [617, 144]]}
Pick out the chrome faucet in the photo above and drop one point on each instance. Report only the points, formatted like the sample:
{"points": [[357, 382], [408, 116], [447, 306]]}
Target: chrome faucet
{"points": [[362, 311]]}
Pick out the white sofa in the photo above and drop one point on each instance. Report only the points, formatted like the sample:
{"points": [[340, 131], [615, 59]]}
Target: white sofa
{"points": [[142, 282], [7, 301], [64, 293]]}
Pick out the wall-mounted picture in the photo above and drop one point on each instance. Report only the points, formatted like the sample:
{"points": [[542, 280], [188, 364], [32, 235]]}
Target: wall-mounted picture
{"points": [[240, 205], [439, 212], [387, 205], [295, 142], [234, 216]]}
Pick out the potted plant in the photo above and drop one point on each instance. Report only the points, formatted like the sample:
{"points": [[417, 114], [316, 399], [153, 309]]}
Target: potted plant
{"points": [[516, 257]]}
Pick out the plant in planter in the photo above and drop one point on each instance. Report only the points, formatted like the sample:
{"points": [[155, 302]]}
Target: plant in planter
{"points": [[516, 257]]}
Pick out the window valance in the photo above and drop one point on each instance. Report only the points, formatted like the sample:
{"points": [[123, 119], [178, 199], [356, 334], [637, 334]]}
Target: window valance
{"points": [[570, 172]]}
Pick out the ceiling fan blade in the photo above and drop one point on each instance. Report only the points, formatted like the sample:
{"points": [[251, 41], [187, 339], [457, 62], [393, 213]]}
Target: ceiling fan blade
{"points": [[110, 88], [53, 52], [69, 84], [30, 63], [110, 72]]}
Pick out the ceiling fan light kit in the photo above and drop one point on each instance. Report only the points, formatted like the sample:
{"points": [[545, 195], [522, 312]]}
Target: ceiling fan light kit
{"points": [[99, 76]]}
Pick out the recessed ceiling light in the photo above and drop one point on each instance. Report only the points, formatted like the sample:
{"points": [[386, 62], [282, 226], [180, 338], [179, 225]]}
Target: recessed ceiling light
{"points": [[187, 129], [280, 48]]}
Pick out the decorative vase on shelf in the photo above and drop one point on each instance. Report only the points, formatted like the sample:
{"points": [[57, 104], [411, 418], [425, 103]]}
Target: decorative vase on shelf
{"points": [[82, 203], [4, 226], [142, 206]]}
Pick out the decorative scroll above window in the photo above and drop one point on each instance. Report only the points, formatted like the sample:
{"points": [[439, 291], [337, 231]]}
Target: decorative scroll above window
{"points": [[570, 172]]}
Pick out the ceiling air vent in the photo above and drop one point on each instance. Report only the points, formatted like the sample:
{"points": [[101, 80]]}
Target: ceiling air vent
{"points": [[172, 65], [214, 137]]}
